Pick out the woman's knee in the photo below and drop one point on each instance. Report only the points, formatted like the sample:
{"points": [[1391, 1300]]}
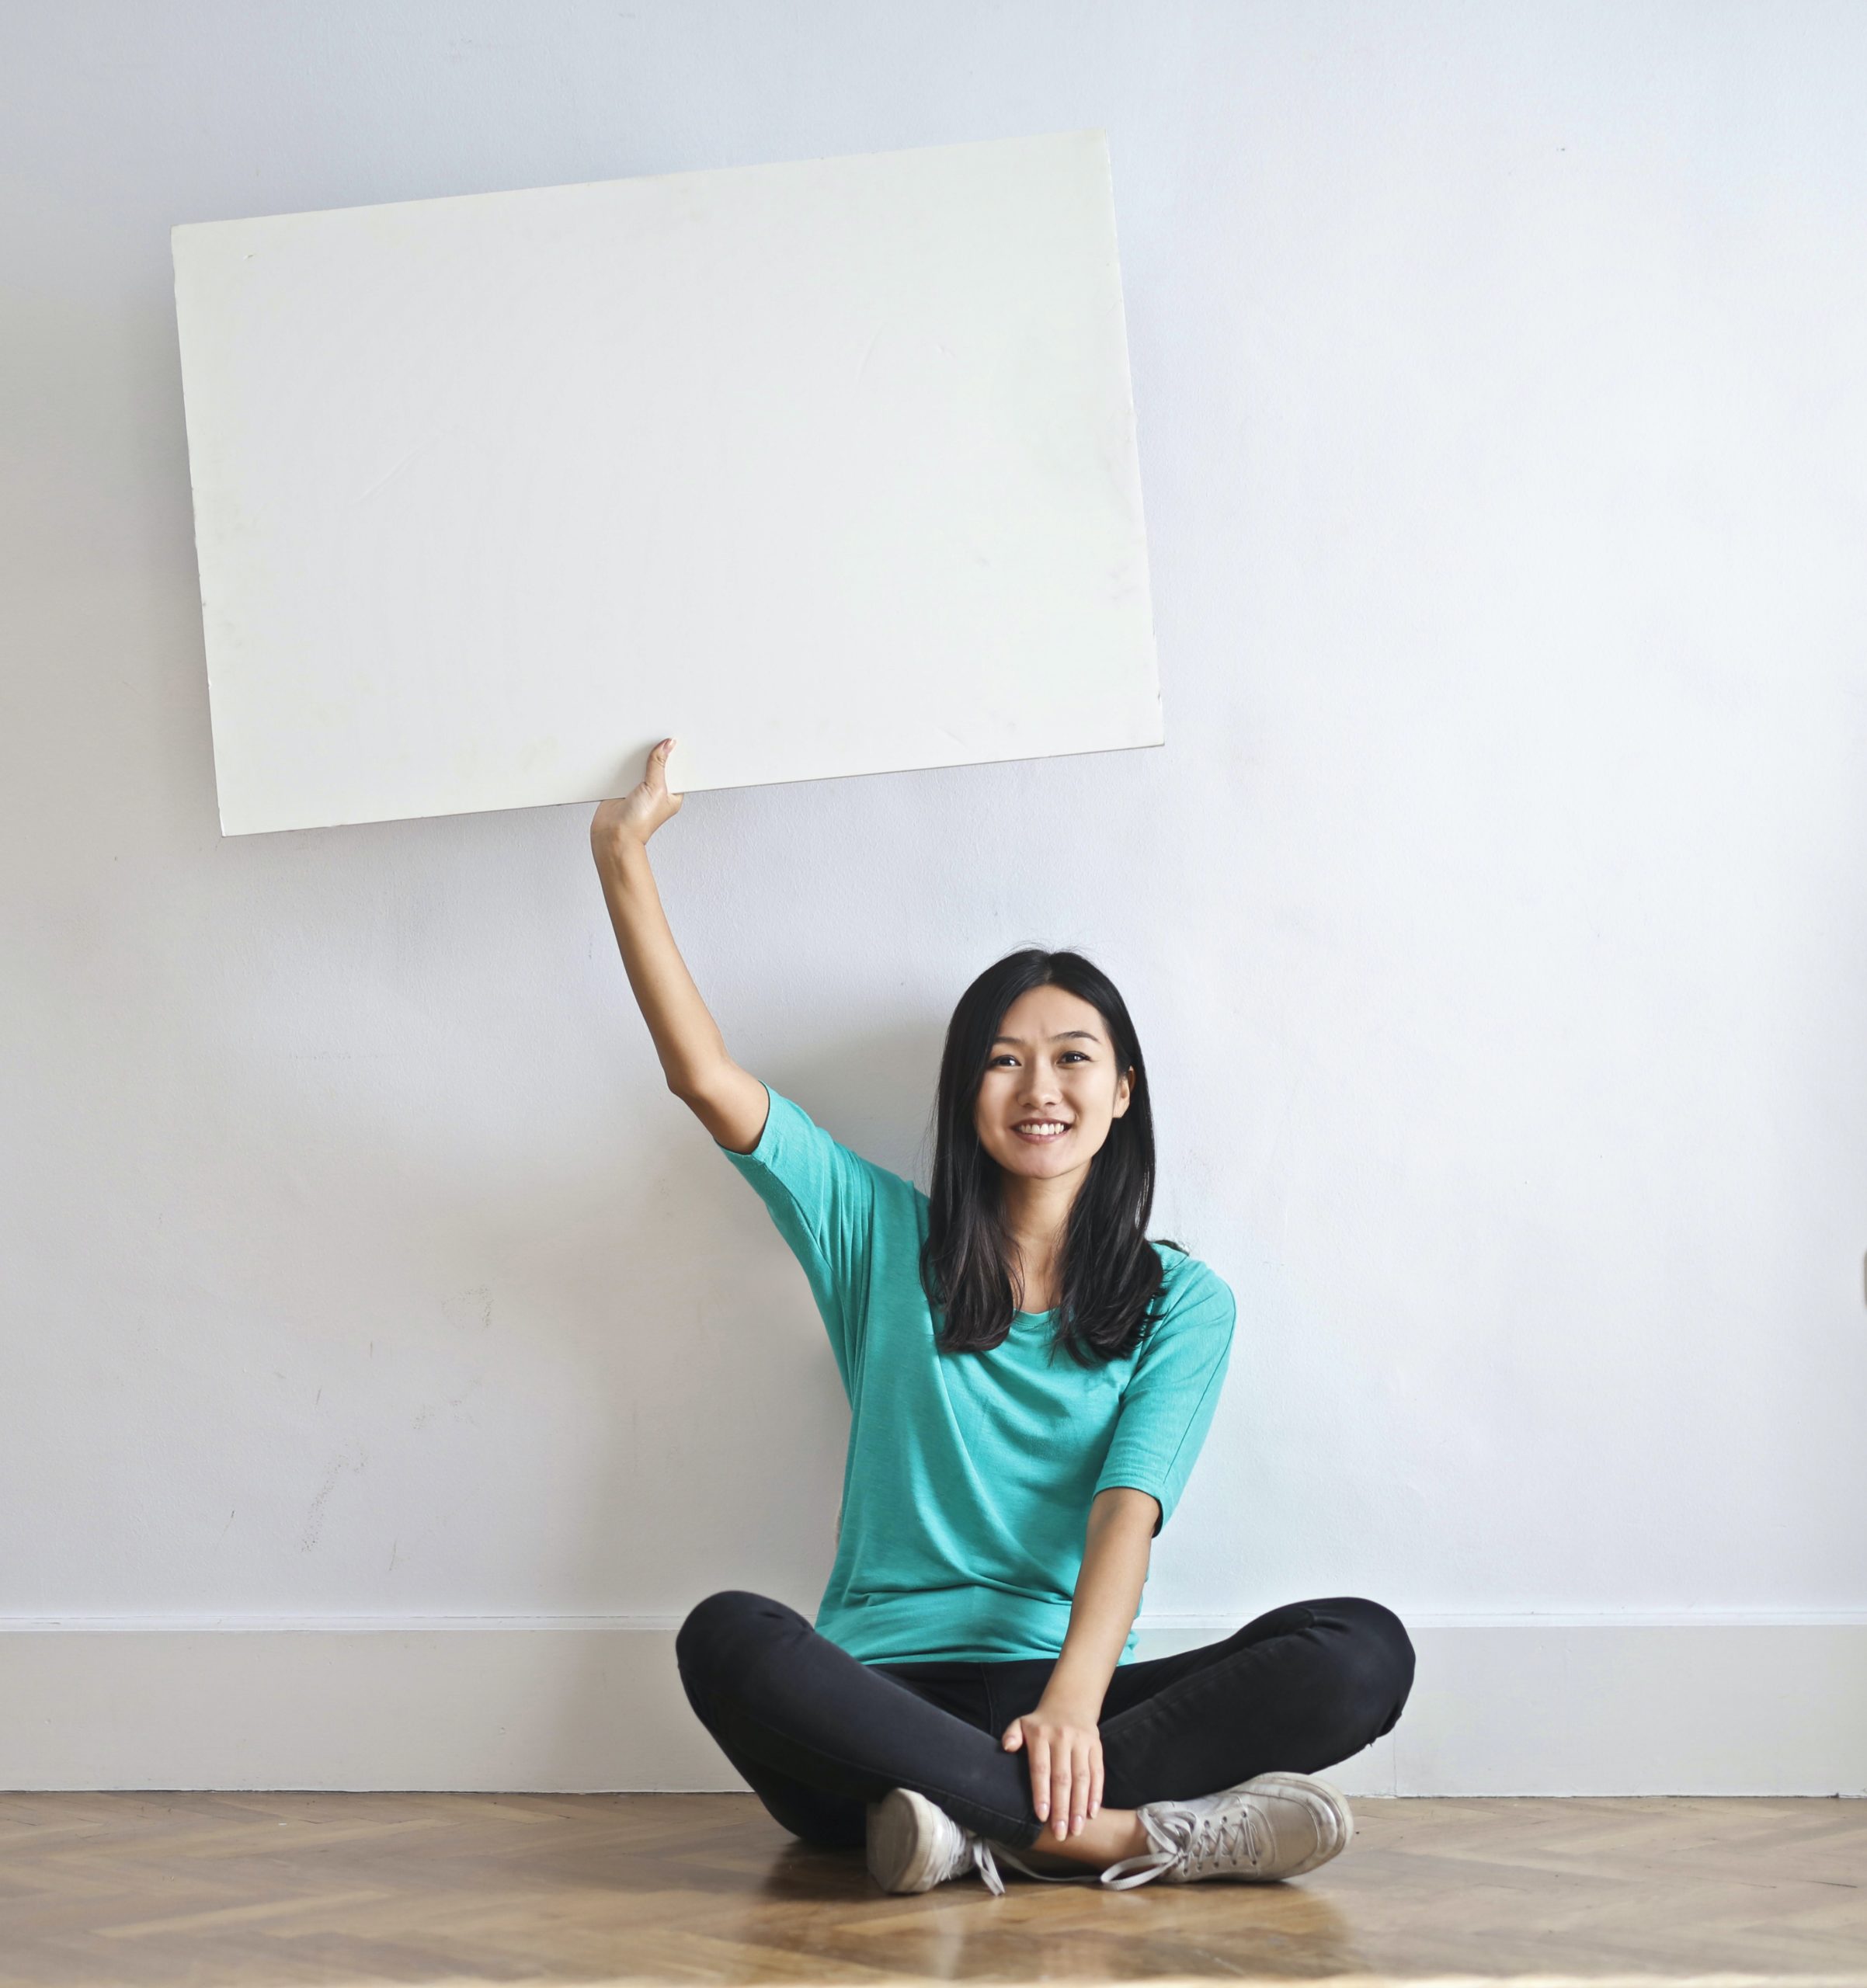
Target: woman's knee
{"points": [[1375, 1654], [720, 1635]]}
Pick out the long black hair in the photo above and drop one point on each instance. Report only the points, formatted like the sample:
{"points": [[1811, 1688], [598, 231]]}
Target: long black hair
{"points": [[1111, 1273]]}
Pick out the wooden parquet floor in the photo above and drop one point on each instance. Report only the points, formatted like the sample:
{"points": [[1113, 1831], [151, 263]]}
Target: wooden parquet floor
{"points": [[242, 1890]]}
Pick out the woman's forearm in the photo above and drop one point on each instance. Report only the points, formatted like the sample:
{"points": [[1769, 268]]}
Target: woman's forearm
{"points": [[686, 1038], [1115, 1556], [732, 1104]]}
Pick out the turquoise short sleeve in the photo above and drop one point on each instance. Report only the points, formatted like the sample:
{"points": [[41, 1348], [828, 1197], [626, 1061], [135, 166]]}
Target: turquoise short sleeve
{"points": [[821, 1197], [1168, 1404]]}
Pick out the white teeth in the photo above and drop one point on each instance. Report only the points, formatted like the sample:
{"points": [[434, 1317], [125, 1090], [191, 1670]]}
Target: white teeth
{"points": [[1045, 1128]]}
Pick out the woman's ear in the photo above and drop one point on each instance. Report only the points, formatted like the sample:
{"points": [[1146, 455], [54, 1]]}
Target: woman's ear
{"points": [[1124, 1090]]}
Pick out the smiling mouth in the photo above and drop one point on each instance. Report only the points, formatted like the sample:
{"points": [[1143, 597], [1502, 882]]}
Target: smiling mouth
{"points": [[1040, 1131]]}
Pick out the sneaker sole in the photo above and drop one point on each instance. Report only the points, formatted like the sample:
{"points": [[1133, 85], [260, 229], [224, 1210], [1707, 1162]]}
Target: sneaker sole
{"points": [[901, 1840], [1335, 1820]]}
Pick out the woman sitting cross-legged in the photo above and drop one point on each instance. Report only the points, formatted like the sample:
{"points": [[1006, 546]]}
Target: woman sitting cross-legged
{"points": [[1030, 1378]]}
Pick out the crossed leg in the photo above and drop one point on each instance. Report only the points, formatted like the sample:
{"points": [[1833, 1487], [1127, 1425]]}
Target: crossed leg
{"points": [[818, 1735]]}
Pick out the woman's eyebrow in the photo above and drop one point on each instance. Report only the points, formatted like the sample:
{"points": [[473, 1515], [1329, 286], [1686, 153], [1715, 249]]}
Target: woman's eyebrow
{"points": [[1063, 1035]]}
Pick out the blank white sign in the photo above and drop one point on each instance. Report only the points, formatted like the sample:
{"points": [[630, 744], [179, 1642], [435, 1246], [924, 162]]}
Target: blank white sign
{"points": [[825, 467]]}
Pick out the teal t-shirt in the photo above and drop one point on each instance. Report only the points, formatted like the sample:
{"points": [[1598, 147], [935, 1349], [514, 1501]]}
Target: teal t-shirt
{"points": [[969, 1476]]}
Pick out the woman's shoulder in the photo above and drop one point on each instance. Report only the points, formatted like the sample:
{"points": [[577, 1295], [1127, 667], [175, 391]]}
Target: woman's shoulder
{"points": [[794, 1136], [1190, 1286]]}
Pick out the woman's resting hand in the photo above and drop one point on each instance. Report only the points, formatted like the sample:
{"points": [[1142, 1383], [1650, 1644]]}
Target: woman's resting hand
{"points": [[1064, 1745]]}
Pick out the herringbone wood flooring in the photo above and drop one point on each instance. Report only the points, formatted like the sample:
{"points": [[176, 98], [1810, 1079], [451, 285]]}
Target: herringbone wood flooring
{"points": [[246, 1889]]}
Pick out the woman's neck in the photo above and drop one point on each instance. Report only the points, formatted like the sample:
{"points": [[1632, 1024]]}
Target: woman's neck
{"points": [[1036, 1214]]}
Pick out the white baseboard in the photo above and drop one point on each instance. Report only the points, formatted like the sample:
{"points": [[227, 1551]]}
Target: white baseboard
{"points": [[1531, 1705]]}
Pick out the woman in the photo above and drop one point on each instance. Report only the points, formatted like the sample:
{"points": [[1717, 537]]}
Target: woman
{"points": [[1030, 1379]]}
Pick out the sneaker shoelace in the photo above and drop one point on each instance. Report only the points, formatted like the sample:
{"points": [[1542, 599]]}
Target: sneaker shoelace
{"points": [[974, 1854], [1085, 1877], [1226, 1840], [985, 1857]]}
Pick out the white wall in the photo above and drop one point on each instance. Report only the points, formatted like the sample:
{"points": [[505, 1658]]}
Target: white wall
{"points": [[1494, 916]]}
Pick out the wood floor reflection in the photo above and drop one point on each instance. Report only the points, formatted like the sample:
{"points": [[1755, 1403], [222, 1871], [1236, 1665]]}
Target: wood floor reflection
{"points": [[231, 1890]]}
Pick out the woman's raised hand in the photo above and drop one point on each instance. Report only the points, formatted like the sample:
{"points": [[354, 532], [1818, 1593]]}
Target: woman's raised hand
{"points": [[641, 810]]}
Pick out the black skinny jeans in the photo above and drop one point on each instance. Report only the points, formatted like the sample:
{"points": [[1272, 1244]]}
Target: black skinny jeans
{"points": [[820, 1735]]}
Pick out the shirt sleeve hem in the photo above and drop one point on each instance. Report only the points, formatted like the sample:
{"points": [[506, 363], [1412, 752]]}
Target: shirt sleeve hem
{"points": [[1135, 1480]]}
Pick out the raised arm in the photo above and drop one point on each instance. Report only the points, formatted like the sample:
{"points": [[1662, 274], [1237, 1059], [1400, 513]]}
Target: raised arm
{"points": [[731, 1102]]}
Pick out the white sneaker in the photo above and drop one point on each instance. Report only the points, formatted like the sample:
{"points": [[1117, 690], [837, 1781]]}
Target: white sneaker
{"points": [[914, 1844], [1273, 1826]]}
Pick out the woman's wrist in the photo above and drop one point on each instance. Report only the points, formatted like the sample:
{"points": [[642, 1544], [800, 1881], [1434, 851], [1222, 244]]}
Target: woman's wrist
{"points": [[1072, 1701], [616, 848]]}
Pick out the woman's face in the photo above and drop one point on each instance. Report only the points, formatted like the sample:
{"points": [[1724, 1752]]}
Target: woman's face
{"points": [[1052, 1066]]}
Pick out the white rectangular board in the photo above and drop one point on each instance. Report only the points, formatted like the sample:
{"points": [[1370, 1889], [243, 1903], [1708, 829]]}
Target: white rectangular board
{"points": [[823, 468]]}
